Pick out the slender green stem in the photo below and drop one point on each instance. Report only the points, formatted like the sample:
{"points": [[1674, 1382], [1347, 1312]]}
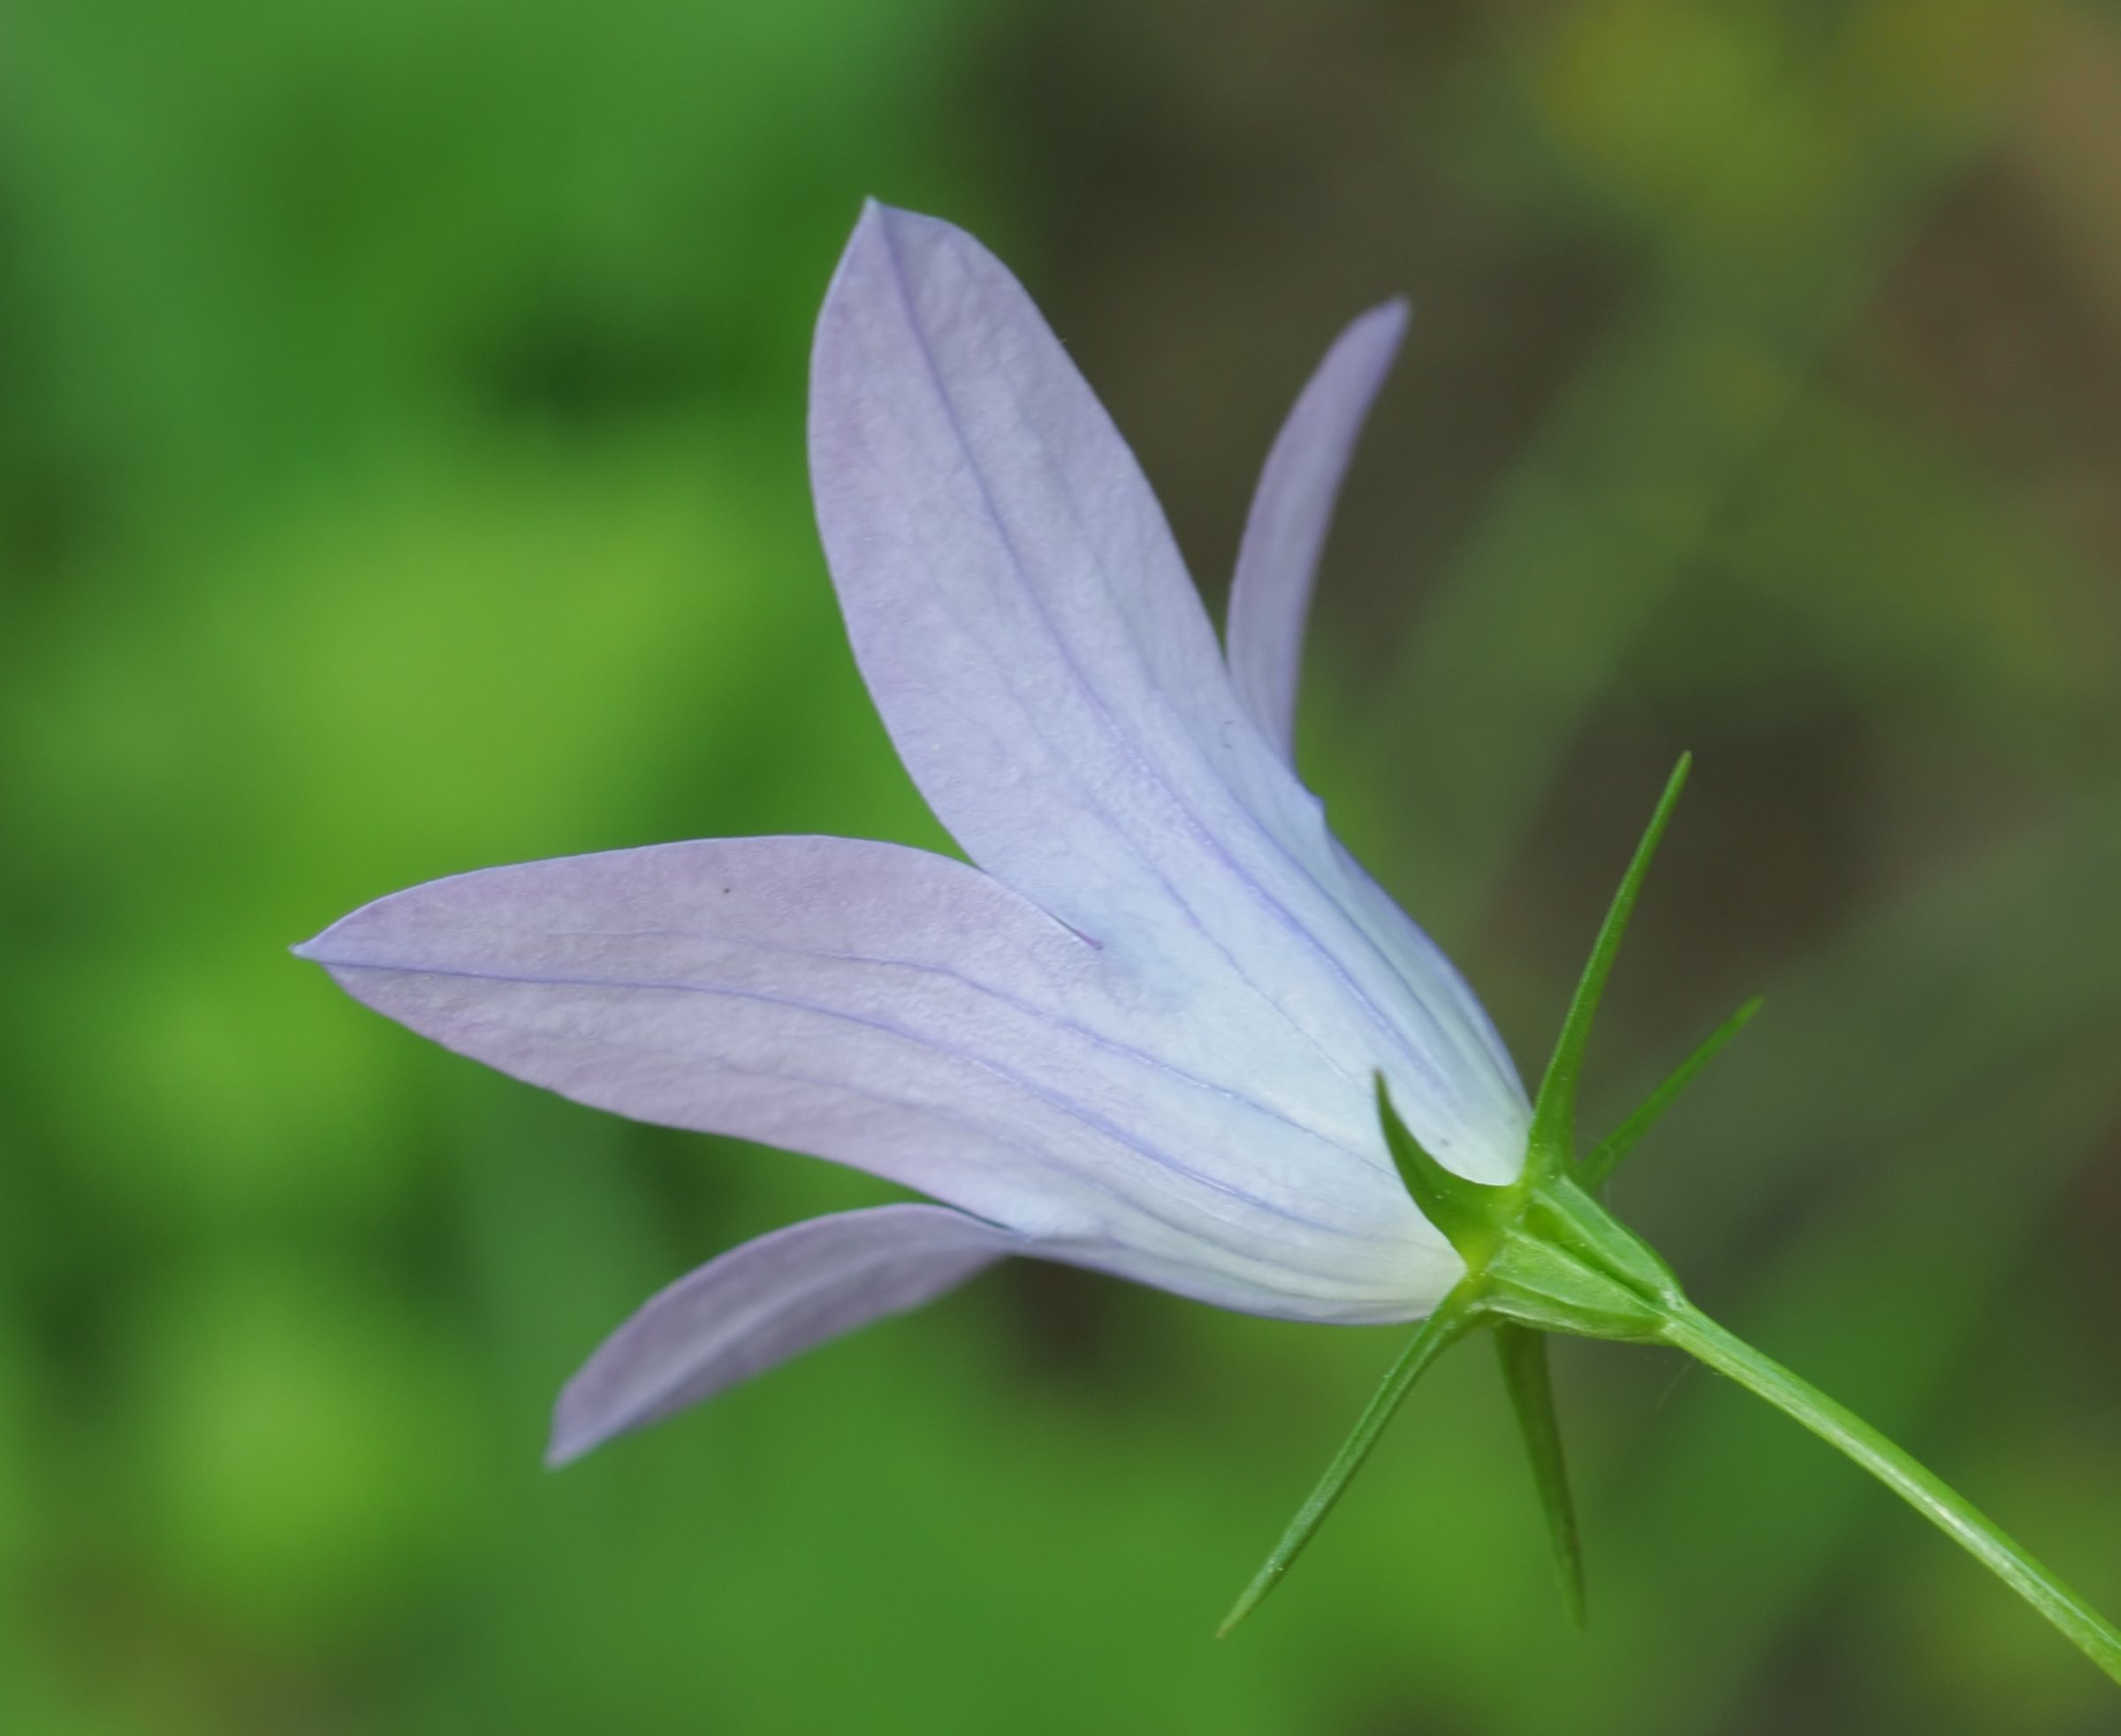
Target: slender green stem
{"points": [[2089, 1631], [1530, 1384], [1436, 1335]]}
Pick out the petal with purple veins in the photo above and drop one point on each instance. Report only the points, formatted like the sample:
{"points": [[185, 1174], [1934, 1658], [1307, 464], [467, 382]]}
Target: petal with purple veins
{"points": [[907, 1015], [1043, 665]]}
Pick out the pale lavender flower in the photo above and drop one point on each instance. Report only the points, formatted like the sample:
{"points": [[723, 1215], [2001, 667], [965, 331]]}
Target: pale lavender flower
{"points": [[1140, 1035]]}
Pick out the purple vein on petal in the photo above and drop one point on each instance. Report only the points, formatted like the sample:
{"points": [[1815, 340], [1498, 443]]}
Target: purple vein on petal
{"points": [[1054, 1101], [1118, 737], [1076, 1028], [1427, 1066], [582, 1034]]}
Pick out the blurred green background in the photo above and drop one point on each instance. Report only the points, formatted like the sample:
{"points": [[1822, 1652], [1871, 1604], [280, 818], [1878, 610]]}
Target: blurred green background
{"points": [[400, 471]]}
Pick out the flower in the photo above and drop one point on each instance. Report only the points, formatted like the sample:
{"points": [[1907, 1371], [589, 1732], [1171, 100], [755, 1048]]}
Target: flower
{"points": [[1140, 1032]]}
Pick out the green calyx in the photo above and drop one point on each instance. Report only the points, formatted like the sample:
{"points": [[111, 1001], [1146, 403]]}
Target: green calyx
{"points": [[1543, 1256], [1539, 1251]]}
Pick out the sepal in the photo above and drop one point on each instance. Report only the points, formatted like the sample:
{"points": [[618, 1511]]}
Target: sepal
{"points": [[1538, 1284], [1472, 1215], [1530, 1383], [1563, 1216], [1434, 1336], [1552, 1148], [1605, 1156]]}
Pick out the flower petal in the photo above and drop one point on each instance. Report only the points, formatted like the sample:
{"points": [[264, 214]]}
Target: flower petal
{"points": [[1043, 665], [1292, 510], [907, 1015], [763, 1303], [1016, 600]]}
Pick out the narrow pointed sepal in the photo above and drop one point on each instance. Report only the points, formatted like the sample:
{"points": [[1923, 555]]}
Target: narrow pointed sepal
{"points": [[1554, 1114], [1437, 1334], [1605, 1157], [1530, 1383], [1470, 1213]]}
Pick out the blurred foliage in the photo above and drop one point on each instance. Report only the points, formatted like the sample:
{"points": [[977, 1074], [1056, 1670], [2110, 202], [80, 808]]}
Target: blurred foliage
{"points": [[400, 471]]}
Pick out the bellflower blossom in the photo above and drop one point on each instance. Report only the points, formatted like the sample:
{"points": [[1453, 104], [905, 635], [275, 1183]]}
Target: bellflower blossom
{"points": [[1140, 1033], [1162, 1026]]}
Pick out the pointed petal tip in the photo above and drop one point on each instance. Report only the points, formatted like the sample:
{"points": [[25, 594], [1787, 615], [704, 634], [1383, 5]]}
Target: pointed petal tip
{"points": [[883, 257], [578, 1427], [886, 222], [567, 1445], [908, 246], [876, 210], [328, 945], [1389, 319]]}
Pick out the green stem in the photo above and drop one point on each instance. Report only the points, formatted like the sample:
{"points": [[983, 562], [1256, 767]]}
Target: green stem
{"points": [[1943, 1506], [1435, 1335]]}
